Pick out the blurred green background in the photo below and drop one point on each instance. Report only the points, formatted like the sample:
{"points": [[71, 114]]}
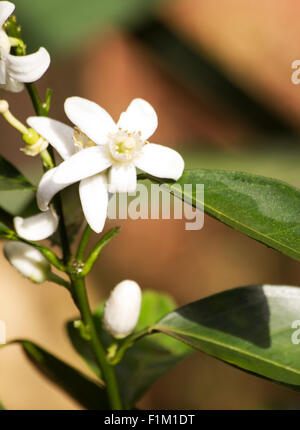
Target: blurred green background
{"points": [[219, 76]]}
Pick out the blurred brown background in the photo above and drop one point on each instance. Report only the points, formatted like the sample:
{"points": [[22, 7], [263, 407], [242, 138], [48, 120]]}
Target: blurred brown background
{"points": [[219, 76]]}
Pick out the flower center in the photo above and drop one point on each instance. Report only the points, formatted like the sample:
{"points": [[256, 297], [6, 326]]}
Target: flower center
{"points": [[124, 146]]}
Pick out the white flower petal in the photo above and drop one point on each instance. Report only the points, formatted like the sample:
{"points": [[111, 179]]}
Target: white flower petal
{"points": [[27, 260], [122, 309], [83, 164], [58, 134], [6, 9], [160, 161], [94, 200], [4, 41], [90, 118], [139, 116], [122, 179], [37, 227], [27, 68], [47, 189], [2, 72], [12, 85]]}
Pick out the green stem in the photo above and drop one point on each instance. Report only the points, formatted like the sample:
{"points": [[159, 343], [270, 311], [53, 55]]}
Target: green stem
{"points": [[119, 353], [77, 287], [62, 230], [80, 296], [47, 253], [42, 109], [60, 281], [50, 255], [83, 243], [48, 162], [97, 250]]}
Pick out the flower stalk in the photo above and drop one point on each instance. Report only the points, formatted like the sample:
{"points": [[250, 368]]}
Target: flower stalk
{"points": [[59, 281], [42, 109], [83, 243], [93, 257], [48, 254], [80, 296], [11, 119], [77, 287]]}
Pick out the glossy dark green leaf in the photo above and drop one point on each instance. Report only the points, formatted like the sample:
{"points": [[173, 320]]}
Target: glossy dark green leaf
{"points": [[264, 209], [148, 359], [6, 218], [154, 306], [248, 327], [83, 389], [11, 178]]}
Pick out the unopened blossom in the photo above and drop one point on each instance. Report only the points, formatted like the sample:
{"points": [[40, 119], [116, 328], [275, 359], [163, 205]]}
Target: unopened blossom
{"points": [[122, 309], [28, 260], [103, 155], [37, 227], [16, 70]]}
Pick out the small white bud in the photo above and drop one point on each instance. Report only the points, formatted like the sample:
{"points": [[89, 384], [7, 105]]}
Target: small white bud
{"points": [[122, 309], [28, 260]]}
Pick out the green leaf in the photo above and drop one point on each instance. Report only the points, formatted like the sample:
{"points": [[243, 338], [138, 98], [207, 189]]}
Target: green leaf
{"points": [[15, 192], [2, 408], [247, 327], [264, 209], [148, 359], [82, 347], [83, 389], [11, 178], [154, 306], [6, 217], [4, 230]]}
